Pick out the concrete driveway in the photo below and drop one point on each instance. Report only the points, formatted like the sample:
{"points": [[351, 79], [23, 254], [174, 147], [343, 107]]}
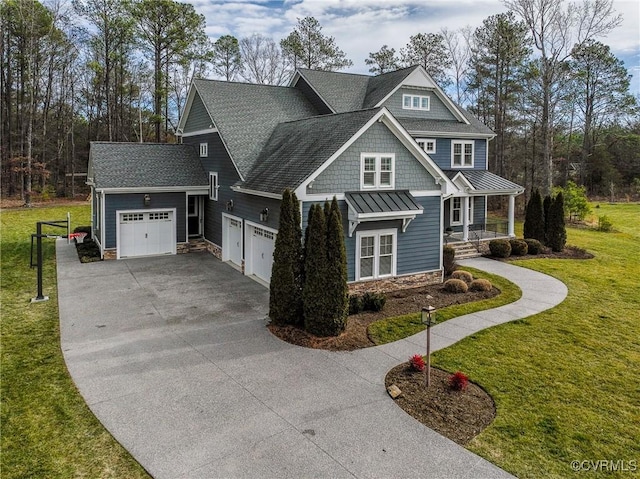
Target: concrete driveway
{"points": [[173, 357]]}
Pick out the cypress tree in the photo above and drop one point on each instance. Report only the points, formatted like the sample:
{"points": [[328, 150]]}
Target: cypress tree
{"points": [[557, 233], [534, 218], [285, 291], [315, 268], [546, 206], [336, 290]]}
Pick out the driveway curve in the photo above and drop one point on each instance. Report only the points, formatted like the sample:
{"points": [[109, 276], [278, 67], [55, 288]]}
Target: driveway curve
{"points": [[172, 356]]}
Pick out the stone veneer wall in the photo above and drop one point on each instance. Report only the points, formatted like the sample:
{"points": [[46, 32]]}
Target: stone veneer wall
{"points": [[110, 254], [399, 282]]}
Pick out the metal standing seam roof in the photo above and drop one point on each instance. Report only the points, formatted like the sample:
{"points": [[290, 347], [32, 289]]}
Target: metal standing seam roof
{"points": [[246, 114], [483, 180], [372, 202], [145, 165]]}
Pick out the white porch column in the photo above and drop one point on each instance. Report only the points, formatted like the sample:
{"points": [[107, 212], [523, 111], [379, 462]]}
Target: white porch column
{"points": [[512, 207], [465, 218]]}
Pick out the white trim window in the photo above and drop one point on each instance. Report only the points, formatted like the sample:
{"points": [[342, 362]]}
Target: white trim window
{"points": [[377, 170], [204, 150], [456, 211], [213, 186], [427, 144], [462, 154], [416, 102], [376, 254]]}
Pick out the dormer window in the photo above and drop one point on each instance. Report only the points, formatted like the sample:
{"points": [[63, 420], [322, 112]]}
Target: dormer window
{"points": [[416, 102], [377, 170], [427, 144]]}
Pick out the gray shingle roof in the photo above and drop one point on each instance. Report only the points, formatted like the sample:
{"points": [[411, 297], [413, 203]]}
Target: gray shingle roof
{"points": [[483, 180], [382, 201], [296, 149], [246, 114], [342, 91], [145, 165], [447, 126], [381, 85]]}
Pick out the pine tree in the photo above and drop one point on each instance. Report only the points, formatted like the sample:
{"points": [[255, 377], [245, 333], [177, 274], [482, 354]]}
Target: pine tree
{"points": [[285, 293], [546, 206], [315, 268], [556, 234], [336, 290], [534, 218]]}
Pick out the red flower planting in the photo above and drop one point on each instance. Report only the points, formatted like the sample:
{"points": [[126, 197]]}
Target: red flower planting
{"points": [[417, 362], [459, 381]]}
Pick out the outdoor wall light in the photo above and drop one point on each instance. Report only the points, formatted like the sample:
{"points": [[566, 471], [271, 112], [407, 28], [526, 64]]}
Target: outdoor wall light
{"points": [[147, 200], [230, 205], [264, 215], [427, 320]]}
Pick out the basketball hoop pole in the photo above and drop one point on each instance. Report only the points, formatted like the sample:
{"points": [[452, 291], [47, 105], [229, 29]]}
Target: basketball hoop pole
{"points": [[38, 236]]}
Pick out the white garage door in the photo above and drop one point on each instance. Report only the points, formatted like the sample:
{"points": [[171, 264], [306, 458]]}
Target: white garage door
{"points": [[146, 233], [260, 257], [232, 240]]}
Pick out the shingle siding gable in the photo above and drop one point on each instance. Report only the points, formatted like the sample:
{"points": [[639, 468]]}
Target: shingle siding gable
{"points": [[198, 118]]}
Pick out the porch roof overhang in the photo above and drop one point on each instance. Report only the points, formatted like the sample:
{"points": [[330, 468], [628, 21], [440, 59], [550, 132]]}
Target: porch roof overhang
{"points": [[483, 182], [381, 205]]}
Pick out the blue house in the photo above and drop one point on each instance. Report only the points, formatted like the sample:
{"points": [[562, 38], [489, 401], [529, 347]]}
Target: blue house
{"points": [[407, 165]]}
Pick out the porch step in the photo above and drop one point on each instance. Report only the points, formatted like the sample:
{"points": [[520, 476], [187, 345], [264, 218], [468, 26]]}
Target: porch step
{"points": [[465, 250]]}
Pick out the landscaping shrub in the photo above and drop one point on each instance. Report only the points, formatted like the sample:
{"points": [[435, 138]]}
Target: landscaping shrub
{"points": [[534, 217], [448, 260], [355, 304], [604, 224], [315, 268], [533, 246], [416, 362], [480, 285], [458, 381], [518, 247], [337, 291], [373, 301], [500, 248], [463, 275], [88, 251], [556, 232], [455, 286]]}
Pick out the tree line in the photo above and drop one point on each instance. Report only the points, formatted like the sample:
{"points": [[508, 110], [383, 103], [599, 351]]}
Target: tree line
{"points": [[119, 70]]}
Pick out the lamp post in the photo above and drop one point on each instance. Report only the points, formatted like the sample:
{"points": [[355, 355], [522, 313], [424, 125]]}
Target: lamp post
{"points": [[426, 319]]}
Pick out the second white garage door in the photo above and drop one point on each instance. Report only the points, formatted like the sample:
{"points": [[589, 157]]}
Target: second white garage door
{"points": [[146, 233], [261, 243]]}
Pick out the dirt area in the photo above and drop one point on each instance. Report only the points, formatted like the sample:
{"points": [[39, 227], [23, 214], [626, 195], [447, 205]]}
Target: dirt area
{"points": [[398, 303], [458, 415]]}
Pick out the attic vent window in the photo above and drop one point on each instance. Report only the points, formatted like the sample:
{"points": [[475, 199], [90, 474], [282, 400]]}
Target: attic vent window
{"points": [[416, 102], [204, 150]]}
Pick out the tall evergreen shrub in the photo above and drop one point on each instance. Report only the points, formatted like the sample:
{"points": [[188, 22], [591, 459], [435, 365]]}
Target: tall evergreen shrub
{"points": [[556, 233], [534, 218], [336, 290], [285, 291], [546, 206], [315, 272]]}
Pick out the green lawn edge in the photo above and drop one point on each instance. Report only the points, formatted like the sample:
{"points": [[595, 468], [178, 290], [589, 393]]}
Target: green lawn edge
{"points": [[47, 428], [399, 327]]}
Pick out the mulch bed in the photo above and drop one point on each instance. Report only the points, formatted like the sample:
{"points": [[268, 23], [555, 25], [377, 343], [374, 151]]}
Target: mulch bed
{"points": [[458, 415], [569, 252], [398, 303]]}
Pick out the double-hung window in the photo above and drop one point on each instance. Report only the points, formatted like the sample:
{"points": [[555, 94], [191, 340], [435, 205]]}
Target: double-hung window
{"points": [[213, 186], [377, 170], [462, 154], [376, 254], [416, 102], [427, 144], [456, 211]]}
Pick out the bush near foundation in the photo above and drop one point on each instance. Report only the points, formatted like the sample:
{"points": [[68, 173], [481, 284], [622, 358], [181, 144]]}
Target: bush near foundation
{"points": [[533, 246], [518, 247], [480, 285], [448, 260], [500, 248], [455, 286]]}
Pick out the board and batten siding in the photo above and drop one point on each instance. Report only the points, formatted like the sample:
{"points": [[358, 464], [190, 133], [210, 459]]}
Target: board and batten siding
{"points": [[418, 248], [135, 201], [198, 118], [344, 173], [442, 156], [437, 111]]}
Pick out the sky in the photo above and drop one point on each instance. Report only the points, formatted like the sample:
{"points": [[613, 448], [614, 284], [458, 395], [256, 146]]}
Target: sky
{"points": [[363, 26]]}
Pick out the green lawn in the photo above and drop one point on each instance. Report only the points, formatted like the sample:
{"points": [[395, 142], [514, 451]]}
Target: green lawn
{"points": [[47, 429], [566, 382]]}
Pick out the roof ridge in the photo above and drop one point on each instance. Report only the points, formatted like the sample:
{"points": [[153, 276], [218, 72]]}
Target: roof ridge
{"points": [[330, 115], [211, 80], [336, 73]]}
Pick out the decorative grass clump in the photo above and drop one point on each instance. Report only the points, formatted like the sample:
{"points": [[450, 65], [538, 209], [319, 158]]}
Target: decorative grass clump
{"points": [[463, 275], [500, 248], [455, 286], [518, 247], [480, 285], [534, 246]]}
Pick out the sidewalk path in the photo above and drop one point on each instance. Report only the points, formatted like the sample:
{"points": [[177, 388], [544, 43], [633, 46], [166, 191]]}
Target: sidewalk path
{"points": [[172, 355]]}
